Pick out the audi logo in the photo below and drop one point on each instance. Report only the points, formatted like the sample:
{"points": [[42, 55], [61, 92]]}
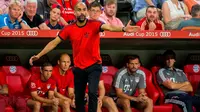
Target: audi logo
{"points": [[165, 34], [195, 58], [11, 58], [32, 33]]}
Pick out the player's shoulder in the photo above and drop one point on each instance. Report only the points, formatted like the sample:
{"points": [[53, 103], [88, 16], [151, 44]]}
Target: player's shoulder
{"points": [[70, 71], [34, 77], [140, 72], [122, 72]]}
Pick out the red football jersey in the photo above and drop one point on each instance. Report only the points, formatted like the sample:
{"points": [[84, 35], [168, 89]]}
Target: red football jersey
{"points": [[63, 82], [85, 42], [34, 77], [158, 25], [42, 87], [68, 11]]}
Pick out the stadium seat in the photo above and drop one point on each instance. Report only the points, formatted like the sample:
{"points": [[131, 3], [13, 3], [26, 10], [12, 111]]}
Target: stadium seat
{"points": [[108, 73], [106, 60], [9, 109], [189, 4], [150, 87], [154, 94], [193, 73], [16, 78], [157, 63], [192, 69], [190, 28]]}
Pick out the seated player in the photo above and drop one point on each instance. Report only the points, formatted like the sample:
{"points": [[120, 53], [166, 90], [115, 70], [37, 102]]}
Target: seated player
{"points": [[126, 82], [42, 89], [64, 77]]}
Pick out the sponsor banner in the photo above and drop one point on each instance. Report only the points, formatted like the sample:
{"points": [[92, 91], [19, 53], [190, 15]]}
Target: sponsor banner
{"points": [[141, 34], [29, 33]]}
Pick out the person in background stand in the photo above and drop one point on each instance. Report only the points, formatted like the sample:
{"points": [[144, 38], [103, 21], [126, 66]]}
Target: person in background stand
{"points": [[68, 10], [109, 14], [53, 21], [4, 4], [152, 20], [13, 20], [31, 17]]}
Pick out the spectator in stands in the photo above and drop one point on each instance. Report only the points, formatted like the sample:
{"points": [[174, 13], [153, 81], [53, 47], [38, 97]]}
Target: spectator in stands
{"points": [[139, 7], [55, 13], [127, 80], [13, 20], [84, 35], [109, 14], [175, 84], [94, 10], [4, 4], [174, 12], [33, 20], [64, 77], [151, 21], [16, 102], [68, 11], [195, 21], [44, 8], [190, 3], [103, 101], [88, 2], [42, 89]]}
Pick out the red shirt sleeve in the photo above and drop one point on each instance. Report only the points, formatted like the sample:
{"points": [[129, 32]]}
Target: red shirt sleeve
{"points": [[101, 78], [53, 85], [71, 85], [33, 86], [64, 33], [98, 25], [139, 23]]}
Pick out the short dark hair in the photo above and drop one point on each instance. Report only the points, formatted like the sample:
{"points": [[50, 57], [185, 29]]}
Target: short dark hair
{"points": [[132, 57], [195, 10], [94, 4], [46, 64], [169, 54], [109, 2], [151, 6]]}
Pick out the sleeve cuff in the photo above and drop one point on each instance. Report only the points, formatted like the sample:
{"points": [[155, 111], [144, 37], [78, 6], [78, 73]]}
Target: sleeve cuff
{"points": [[60, 37]]}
